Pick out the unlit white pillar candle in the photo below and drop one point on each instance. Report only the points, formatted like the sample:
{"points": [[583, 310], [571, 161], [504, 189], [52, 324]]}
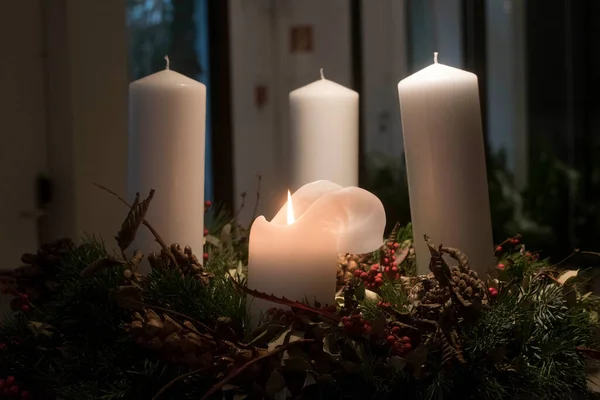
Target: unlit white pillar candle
{"points": [[445, 161], [323, 134], [166, 152]]}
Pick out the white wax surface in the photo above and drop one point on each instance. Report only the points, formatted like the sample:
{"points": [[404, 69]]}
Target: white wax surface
{"points": [[445, 158], [323, 134], [298, 261], [166, 153]]}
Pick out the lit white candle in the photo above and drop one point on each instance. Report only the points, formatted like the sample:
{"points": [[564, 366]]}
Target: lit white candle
{"points": [[323, 134], [445, 160], [166, 152], [294, 255]]}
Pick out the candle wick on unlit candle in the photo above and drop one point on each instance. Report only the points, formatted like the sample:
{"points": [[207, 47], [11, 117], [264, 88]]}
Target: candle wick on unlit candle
{"points": [[322, 75], [435, 55], [167, 60]]}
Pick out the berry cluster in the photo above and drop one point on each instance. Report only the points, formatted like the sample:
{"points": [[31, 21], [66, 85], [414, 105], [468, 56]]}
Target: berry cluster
{"points": [[493, 292], [388, 260], [372, 279], [355, 324], [514, 241], [384, 305], [285, 317], [400, 345], [20, 302], [10, 390]]}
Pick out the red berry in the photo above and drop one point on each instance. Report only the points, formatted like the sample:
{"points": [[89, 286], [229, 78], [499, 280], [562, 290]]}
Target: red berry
{"points": [[379, 276], [396, 330], [357, 273], [491, 289], [24, 394], [396, 245], [364, 275], [390, 244], [348, 325], [405, 339], [515, 241], [367, 329], [407, 346], [386, 260], [24, 308], [345, 319], [378, 281], [501, 266], [14, 390], [205, 232], [10, 380], [207, 203], [391, 339], [205, 256], [375, 267], [498, 248], [23, 296], [394, 269]]}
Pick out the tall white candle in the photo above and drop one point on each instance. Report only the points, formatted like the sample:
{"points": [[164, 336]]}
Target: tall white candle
{"points": [[445, 161], [294, 255], [323, 134], [166, 152]]}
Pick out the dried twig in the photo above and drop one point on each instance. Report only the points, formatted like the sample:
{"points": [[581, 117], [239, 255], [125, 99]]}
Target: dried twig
{"points": [[240, 208], [239, 370], [177, 379], [283, 301], [146, 305], [145, 222], [255, 210], [510, 240]]}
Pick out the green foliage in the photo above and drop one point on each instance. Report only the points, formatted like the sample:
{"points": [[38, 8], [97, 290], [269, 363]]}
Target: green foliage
{"points": [[522, 344]]}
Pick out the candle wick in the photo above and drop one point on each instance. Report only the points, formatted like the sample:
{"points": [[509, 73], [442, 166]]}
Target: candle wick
{"points": [[322, 75], [435, 57], [168, 62]]}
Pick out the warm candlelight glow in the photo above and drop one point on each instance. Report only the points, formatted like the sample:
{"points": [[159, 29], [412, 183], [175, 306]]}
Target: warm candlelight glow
{"points": [[290, 210]]}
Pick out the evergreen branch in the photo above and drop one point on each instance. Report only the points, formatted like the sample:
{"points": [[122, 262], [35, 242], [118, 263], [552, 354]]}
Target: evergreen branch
{"points": [[239, 370], [145, 222]]}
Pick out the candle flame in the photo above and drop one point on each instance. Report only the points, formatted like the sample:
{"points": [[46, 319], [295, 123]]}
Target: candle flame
{"points": [[290, 210]]}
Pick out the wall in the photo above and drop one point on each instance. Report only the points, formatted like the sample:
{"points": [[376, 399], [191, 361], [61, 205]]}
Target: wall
{"points": [[86, 72], [261, 57], [23, 130]]}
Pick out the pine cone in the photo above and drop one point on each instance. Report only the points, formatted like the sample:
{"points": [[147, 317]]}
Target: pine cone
{"points": [[187, 263], [348, 263], [176, 343], [427, 291], [37, 277], [469, 285]]}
